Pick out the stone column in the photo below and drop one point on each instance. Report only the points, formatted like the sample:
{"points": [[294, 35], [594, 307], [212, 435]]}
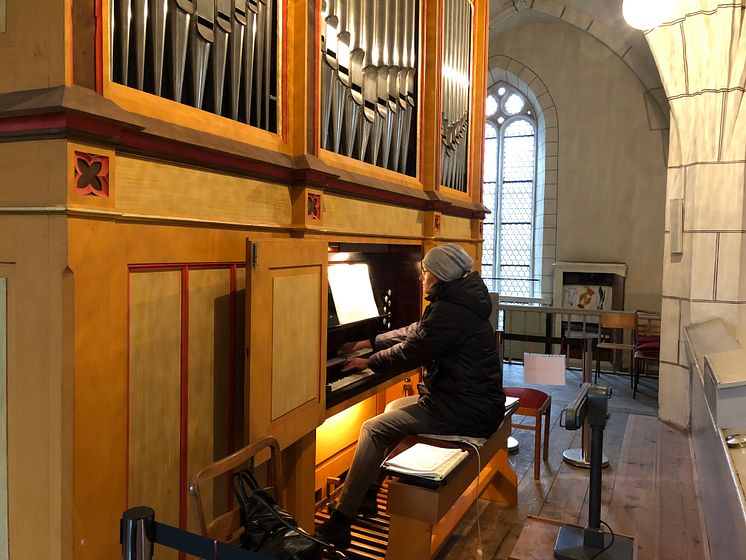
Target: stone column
{"points": [[701, 56]]}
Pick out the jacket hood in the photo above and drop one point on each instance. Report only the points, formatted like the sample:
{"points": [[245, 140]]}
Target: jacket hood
{"points": [[468, 291]]}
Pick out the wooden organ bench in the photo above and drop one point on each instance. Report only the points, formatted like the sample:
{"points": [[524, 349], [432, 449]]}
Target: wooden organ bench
{"points": [[421, 519]]}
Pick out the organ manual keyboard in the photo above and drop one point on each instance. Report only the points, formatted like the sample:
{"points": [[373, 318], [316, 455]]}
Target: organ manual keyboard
{"points": [[372, 289], [341, 385]]}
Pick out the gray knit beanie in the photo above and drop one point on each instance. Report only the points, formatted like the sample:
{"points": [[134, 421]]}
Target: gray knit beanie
{"points": [[447, 262]]}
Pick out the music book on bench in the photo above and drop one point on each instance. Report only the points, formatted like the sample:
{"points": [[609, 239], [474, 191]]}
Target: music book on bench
{"points": [[426, 461]]}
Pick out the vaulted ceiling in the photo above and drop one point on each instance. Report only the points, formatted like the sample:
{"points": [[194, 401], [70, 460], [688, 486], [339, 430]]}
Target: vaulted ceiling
{"points": [[600, 18]]}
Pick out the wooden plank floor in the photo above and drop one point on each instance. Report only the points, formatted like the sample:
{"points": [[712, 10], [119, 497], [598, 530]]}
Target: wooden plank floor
{"points": [[648, 489]]}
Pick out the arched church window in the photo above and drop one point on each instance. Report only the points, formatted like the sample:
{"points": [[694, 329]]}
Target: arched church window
{"points": [[509, 184]]}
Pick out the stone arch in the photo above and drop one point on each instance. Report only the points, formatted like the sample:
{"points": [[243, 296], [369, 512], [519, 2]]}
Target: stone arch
{"points": [[506, 69]]}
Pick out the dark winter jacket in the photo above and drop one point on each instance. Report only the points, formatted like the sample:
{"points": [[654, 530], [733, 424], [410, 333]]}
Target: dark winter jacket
{"points": [[455, 342]]}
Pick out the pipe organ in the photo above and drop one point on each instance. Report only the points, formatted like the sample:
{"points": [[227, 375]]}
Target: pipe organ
{"points": [[456, 90], [369, 80], [191, 171], [216, 55]]}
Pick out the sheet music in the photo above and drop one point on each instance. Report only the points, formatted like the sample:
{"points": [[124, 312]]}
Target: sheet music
{"points": [[427, 461], [352, 292]]}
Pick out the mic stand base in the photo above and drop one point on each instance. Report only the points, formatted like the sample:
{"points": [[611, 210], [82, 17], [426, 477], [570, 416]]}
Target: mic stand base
{"points": [[575, 458], [570, 546]]}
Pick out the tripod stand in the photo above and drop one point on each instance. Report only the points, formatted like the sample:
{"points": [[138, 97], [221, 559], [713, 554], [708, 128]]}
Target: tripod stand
{"points": [[574, 543]]}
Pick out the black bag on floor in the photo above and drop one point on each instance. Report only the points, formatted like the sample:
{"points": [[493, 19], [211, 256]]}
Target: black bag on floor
{"points": [[269, 529]]}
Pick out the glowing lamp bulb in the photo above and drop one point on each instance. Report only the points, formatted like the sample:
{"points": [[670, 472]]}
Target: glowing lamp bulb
{"points": [[646, 14]]}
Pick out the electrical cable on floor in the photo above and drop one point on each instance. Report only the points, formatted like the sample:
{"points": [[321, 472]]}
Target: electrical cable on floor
{"points": [[608, 546], [476, 501]]}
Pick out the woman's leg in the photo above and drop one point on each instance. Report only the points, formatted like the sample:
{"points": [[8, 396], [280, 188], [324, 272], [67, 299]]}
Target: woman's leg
{"points": [[378, 436], [401, 402]]}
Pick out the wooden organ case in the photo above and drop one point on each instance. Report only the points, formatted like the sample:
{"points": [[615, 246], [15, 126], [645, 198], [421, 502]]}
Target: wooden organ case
{"points": [[185, 172]]}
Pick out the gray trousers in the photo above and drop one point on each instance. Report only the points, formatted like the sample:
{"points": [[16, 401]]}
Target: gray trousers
{"points": [[378, 437]]}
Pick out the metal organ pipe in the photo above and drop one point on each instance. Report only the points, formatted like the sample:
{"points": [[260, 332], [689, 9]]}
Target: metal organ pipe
{"points": [[234, 40], [456, 51], [368, 79]]}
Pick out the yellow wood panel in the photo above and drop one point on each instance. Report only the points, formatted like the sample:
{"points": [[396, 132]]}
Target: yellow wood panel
{"points": [[96, 255], [154, 396], [357, 216], [41, 164], [295, 341], [344, 163], [32, 49], [240, 382], [342, 429], [209, 318], [167, 244], [453, 227], [267, 260], [430, 117], [298, 117], [39, 386], [99, 253], [157, 189], [454, 194], [180, 114]]}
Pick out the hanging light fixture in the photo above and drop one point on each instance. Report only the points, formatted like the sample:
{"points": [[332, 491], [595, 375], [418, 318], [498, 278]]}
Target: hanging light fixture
{"points": [[644, 14]]}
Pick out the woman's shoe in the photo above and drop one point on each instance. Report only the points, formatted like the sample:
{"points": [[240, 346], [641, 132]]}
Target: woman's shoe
{"points": [[336, 530], [369, 506]]}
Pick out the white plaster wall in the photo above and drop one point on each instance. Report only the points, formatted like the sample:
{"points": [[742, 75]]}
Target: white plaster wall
{"points": [[612, 172], [701, 55]]}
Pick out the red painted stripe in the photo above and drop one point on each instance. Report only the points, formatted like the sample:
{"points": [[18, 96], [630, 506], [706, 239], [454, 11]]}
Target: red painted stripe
{"points": [[284, 83], [33, 122], [184, 416]]}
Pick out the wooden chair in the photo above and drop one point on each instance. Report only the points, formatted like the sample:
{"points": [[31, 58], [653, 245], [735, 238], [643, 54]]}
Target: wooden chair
{"points": [[647, 344], [227, 526], [535, 403], [612, 333]]}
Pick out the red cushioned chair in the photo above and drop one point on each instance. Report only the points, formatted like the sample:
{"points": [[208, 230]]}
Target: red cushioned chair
{"points": [[647, 345], [532, 402]]}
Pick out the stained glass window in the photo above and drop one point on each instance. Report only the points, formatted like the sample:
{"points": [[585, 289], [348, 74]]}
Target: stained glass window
{"points": [[508, 191]]}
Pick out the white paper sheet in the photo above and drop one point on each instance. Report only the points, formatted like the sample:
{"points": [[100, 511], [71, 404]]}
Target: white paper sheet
{"points": [[544, 369], [352, 292]]}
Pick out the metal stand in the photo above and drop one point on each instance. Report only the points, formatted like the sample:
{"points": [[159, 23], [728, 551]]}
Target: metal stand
{"points": [[580, 457], [574, 543], [139, 532]]}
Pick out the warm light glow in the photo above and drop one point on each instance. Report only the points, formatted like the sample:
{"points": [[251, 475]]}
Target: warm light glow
{"points": [[646, 14], [342, 429]]}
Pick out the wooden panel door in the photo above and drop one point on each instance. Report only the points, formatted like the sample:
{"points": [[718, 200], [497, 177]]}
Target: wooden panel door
{"points": [[286, 312]]}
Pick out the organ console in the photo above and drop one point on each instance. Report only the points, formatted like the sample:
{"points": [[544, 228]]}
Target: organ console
{"points": [[393, 273]]}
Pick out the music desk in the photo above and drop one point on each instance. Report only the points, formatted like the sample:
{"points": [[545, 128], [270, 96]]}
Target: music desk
{"points": [[421, 518]]}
